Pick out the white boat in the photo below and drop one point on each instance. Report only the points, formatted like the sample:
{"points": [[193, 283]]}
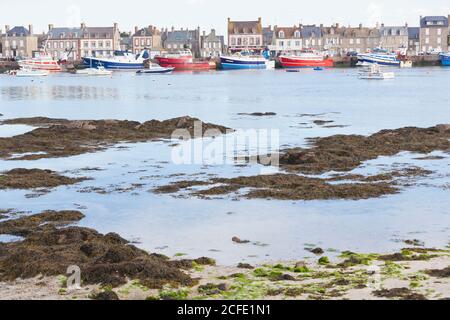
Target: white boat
{"points": [[246, 60], [374, 72], [406, 64], [100, 71], [155, 69], [379, 56], [31, 73], [122, 60], [43, 62]]}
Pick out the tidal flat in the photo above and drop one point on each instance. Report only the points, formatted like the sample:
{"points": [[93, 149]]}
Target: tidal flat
{"points": [[358, 208]]}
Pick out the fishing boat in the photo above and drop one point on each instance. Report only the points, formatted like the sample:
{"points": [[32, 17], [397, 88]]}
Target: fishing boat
{"points": [[445, 59], [246, 60], [27, 72], [42, 62], [306, 59], [374, 72], [379, 56], [121, 60], [156, 69], [100, 71], [182, 60]]}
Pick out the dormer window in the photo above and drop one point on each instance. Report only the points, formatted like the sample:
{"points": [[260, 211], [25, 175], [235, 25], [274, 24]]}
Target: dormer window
{"points": [[245, 30], [281, 34], [297, 34]]}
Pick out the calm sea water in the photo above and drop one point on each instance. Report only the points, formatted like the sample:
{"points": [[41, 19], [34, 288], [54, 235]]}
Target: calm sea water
{"points": [[279, 229]]}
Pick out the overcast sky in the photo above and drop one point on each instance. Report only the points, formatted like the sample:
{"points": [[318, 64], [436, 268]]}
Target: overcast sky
{"points": [[213, 14]]}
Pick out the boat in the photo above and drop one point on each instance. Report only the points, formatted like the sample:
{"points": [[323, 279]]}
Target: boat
{"points": [[26, 72], [245, 60], [445, 59], [306, 59], [121, 60], [406, 64], [182, 60], [374, 72], [42, 62], [156, 69], [100, 71], [379, 56]]}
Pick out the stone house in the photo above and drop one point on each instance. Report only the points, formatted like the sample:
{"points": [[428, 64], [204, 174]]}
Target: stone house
{"points": [[147, 38], [18, 42], [434, 31], [286, 40], [312, 37], [360, 39], [81, 42], [245, 35], [332, 39], [182, 39], [413, 40], [394, 38], [212, 45]]}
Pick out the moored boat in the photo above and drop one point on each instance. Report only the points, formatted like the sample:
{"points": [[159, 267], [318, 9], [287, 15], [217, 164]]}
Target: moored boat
{"points": [[31, 73], [379, 57], [100, 71], [245, 60], [306, 59], [121, 60], [445, 59], [42, 62], [182, 60], [155, 69], [374, 72]]}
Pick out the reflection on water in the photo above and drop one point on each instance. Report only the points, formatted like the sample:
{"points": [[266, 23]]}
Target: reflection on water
{"points": [[58, 92], [280, 229]]}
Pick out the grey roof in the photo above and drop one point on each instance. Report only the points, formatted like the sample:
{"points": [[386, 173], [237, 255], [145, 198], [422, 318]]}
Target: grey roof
{"points": [[145, 32], [181, 36], [308, 31], [393, 31], [414, 33], [64, 33], [99, 32], [18, 31], [434, 20]]}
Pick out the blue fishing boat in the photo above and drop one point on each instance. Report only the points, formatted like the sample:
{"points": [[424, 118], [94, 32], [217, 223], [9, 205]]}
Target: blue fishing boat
{"points": [[384, 59], [445, 59], [121, 60], [245, 60]]}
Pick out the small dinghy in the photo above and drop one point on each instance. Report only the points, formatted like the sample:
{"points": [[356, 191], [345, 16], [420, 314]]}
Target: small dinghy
{"points": [[100, 71], [31, 73], [156, 69]]}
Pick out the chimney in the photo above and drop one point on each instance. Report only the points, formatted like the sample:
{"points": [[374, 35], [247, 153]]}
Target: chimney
{"points": [[406, 24], [116, 26], [337, 25], [50, 27], [7, 28], [30, 29], [259, 19], [83, 25], [360, 25], [213, 32], [173, 29], [136, 29], [204, 33], [382, 25], [321, 25]]}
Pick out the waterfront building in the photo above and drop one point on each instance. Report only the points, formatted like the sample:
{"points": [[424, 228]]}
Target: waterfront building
{"points": [[360, 39], [18, 42], [286, 39], [126, 41], [147, 38], [394, 38], [434, 31], [76, 43], [332, 39], [212, 45], [245, 35], [182, 39], [413, 40]]}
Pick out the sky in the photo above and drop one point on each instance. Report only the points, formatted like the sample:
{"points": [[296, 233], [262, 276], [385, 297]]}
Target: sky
{"points": [[213, 14]]}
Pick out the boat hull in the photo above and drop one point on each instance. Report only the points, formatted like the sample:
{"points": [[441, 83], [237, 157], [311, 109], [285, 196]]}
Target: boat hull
{"points": [[362, 59], [182, 64], [110, 64], [229, 63], [445, 59], [156, 71], [292, 62], [40, 65]]}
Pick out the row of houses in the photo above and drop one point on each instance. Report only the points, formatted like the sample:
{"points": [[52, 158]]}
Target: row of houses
{"points": [[432, 36]]}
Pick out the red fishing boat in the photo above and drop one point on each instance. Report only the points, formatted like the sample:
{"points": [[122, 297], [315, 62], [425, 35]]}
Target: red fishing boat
{"points": [[182, 60], [307, 59]]}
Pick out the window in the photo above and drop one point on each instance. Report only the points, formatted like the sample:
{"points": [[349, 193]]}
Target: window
{"points": [[142, 42], [233, 41], [439, 31], [439, 40], [427, 40], [252, 41], [427, 31], [258, 41], [21, 43], [239, 41], [297, 34], [351, 41], [100, 44], [358, 41], [74, 44], [148, 42], [281, 43], [108, 44], [93, 44], [297, 43], [136, 42], [281, 34], [86, 44]]}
